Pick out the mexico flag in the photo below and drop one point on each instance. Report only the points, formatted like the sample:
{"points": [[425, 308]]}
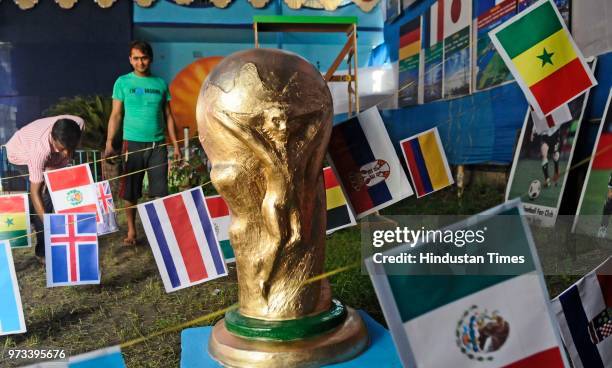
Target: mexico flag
{"points": [[72, 190], [221, 220], [490, 315], [543, 58]]}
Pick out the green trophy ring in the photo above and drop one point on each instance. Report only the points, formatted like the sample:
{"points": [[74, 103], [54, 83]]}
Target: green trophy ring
{"points": [[295, 329]]}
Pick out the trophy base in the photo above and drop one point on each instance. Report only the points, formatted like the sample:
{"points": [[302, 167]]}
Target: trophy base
{"points": [[340, 344]]}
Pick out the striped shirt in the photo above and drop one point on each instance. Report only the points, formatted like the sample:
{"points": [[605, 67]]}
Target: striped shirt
{"points": [[31, 146]]}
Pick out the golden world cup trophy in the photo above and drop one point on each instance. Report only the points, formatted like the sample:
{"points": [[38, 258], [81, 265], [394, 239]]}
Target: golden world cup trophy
{"points": [[264, 119]]}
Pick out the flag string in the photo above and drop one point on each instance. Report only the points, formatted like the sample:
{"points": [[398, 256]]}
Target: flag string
{"points": [[126, 153], [210, 316]]}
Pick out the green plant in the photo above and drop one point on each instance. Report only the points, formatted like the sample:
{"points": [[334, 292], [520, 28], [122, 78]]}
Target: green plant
{"points": [[189, 174], [95, 110]]}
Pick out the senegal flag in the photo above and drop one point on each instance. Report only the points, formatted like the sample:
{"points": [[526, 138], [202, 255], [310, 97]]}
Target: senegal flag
{"points": [[541, 54], [15, 220]]}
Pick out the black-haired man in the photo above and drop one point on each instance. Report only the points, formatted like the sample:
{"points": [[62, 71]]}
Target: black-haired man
{"points": [[46, 143], [141, 100]]}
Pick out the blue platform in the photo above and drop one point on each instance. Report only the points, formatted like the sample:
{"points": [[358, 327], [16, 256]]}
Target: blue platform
{"points": [[381, 352]]}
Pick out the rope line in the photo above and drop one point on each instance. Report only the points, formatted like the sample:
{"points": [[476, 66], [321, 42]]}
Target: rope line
{"points": [[220, 312], [112, 157]]}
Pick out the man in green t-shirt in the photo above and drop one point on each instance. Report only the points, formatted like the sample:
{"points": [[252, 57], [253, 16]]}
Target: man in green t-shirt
{"points": [[141, 100]]}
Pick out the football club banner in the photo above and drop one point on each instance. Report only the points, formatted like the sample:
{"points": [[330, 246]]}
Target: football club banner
{"points": [[595, 205], [107, 208], [470, 319], [72, 190], [543, 58], [584, 313], [71, 248], [433, 49], [183, 239], [365, 161], [540, 168], [490, 68], [11, 310], [221, 220], [339, 214], [409, 62], [108, 358], [426, 162], [15, 220]]}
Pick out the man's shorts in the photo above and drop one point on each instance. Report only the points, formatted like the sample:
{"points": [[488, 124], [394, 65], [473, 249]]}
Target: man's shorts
{"points": [[139, 157], [553, 141]]}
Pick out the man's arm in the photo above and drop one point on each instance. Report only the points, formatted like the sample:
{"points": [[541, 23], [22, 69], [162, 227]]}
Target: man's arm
{"points": [[172, 130], [36, 194], [114, 122]]}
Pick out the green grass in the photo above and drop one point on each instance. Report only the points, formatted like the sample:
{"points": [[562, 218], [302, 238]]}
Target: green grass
{"points": [[528, 170], [131, 301]]}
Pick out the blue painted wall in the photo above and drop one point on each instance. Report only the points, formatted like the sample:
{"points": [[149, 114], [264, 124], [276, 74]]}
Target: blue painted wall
{"points": [[482, 127], [178, 31], [56, 53]]}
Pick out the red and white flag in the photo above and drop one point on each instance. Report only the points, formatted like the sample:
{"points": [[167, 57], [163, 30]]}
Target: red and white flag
{"points": [[457, 15], [556, 118], [72, 190]]}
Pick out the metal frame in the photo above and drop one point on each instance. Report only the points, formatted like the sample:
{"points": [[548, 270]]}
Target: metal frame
{"points": [[348, 25]]}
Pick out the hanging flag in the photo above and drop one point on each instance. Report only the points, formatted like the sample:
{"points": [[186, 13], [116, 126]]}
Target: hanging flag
{"points": [[104, 358], [221, 220], [107, 208], [433, 50], [409, 60], [11, 311], [584, 314], [339, 214], [15, 220], [433, 24], [541, 54], [72, 191], [426, 162], [486, 315], [457, 50], [554, 120], [183, 239], [366, 163], [71, 246], [457, 15]]}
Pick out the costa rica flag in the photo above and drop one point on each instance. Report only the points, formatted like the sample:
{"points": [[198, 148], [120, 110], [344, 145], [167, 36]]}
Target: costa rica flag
{"points": [[183, 239]]}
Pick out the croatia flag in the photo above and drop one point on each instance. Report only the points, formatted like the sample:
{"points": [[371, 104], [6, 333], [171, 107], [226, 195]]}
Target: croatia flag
{"points": [[72, 190], [366, 163], [11, 311], [426, 162], [221, 220], [71, 246], [107, 208], [584, 313], [183, 239]]}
